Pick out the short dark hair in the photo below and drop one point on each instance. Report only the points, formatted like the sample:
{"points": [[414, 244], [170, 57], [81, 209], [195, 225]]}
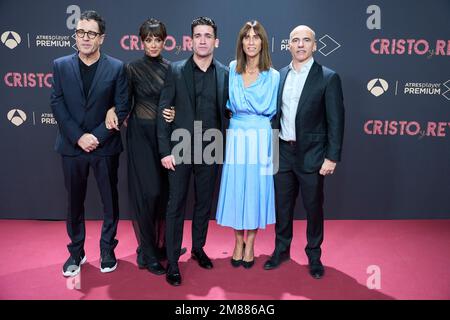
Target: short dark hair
{"points": [[204, 21], [93, 15], [153, 27]]}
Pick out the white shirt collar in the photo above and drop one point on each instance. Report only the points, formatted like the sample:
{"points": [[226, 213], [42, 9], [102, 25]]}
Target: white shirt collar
{"points": [[305, 67]]}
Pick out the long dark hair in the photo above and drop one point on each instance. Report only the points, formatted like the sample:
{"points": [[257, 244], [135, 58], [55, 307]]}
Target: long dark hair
{"points": [[265, 62]]}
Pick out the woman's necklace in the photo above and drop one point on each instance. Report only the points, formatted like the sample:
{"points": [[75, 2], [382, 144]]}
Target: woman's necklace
{"points": [[256, 70]]}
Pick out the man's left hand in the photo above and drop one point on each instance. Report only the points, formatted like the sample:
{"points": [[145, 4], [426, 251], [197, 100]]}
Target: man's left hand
{"points": [[328, 167]]}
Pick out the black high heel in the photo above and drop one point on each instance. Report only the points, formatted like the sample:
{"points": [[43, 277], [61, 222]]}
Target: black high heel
{"points": [[237, 263], [248, 264]]}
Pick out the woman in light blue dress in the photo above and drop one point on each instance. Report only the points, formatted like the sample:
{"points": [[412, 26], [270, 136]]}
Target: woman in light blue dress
{"points": [[246, 198]]}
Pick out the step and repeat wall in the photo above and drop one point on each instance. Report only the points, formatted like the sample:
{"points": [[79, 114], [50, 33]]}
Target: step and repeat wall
{"points": [[393, 58]]}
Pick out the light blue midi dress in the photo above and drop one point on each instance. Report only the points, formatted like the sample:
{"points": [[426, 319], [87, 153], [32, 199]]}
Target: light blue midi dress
{"points": [[246, 198]]}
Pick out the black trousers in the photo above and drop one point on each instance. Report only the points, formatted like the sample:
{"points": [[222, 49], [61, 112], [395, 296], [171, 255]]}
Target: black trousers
{"points": [[288, 181], [76, 172], [204, 184]]}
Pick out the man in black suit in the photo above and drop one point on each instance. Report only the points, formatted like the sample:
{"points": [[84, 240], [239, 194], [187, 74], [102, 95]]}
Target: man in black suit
{"points": [[85, 85], [310, 118], [198, 90]]}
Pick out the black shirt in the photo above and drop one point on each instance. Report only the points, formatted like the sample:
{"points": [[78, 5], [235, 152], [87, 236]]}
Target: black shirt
{"points": [[205, 96], [87, 75]]}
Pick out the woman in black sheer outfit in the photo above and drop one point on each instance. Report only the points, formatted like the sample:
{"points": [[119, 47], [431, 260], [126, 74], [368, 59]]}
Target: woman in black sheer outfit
{"points": [[147, 179]]}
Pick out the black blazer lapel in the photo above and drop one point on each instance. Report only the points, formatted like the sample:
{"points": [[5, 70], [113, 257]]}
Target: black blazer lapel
{"points": [[309, 85], [76, 71], [188, 75], [220, 84], [283, 75], [98, 74]]}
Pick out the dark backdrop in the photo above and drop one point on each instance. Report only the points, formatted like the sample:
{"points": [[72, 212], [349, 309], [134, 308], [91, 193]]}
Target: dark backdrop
{"points": [[396, 156]]}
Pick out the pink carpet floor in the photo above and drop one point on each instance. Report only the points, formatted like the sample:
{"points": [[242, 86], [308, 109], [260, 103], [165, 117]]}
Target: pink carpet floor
{"points": [[412, 257]]}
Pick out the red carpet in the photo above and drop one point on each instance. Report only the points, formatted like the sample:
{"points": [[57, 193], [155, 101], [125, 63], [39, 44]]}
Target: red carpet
{"points": [[413, 257]]}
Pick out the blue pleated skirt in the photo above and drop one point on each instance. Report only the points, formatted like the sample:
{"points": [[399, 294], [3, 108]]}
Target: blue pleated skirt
{"points": [[246, 198]]}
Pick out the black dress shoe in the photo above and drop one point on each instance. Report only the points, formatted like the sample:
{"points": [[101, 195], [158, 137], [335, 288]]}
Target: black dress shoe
{"points": [[156, 268], [142, 264], [316, 269], [275, 261], [203, 260], [173, 276]]}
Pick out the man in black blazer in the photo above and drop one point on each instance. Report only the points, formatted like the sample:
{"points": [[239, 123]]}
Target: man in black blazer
{"points": [[310, 118], [198, 90], [85, 86]]}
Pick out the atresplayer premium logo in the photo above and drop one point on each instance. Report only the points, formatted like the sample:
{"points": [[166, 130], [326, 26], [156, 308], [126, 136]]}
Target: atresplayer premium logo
{"points": [[45, 40], [427, 88], [377, 86], [11, 39], [48, 119], [16, 117], [61, 41]]}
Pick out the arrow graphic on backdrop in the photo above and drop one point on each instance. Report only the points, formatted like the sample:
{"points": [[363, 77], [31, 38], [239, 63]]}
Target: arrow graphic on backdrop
{"points": [[329, 45], [75, 44], [446, 94]]}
